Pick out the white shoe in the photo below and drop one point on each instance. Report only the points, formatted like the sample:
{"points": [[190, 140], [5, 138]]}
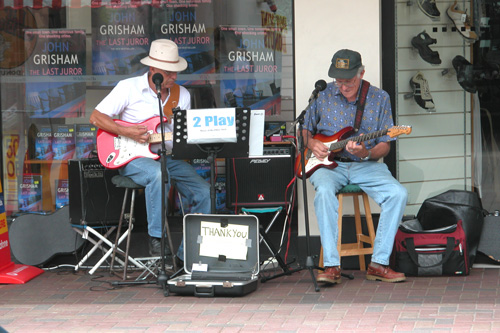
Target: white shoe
{"points": [[462, 22], [421, 92]]}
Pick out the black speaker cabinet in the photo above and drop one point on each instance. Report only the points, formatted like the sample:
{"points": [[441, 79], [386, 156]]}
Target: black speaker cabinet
{"points": [[260, 181], [93, 199]]}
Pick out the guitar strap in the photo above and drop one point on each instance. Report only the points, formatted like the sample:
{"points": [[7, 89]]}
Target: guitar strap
{"points": [[172, 101], [361, 104]]}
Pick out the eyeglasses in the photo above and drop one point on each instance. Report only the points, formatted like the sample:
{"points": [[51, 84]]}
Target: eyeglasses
{"points": [[347, 83], [167, 73]]}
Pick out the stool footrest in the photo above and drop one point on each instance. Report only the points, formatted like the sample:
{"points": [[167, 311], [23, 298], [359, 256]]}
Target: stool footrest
{"points": [[365, 239]]}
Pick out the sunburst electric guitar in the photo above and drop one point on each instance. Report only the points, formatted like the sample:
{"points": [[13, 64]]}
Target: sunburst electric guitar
{"points": [[336, 143], [115, 151]]}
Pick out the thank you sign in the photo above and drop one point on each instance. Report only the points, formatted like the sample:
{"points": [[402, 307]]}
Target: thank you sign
{"points": [[230, 241], [211, 125]]}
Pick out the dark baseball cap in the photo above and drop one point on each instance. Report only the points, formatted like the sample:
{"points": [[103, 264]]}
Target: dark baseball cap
{"points": [[345, 64]]}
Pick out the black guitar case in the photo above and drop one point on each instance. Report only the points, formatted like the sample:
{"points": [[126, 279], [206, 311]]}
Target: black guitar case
{"points": [[36, 238]]}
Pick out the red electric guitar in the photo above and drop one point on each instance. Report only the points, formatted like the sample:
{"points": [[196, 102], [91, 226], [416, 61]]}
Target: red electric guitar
{"points": [[115, 151], [336, 143]]}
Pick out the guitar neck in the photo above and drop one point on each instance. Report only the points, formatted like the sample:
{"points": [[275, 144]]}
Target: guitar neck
{"points": [[365, 137], [156, 137]]}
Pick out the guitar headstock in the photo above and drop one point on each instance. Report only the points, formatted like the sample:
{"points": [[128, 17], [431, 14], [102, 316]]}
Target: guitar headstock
{"points": [[398, 130]]}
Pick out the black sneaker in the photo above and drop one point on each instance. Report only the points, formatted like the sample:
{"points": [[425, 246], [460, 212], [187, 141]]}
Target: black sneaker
{"points": [[421, 92], [155, 247], [465, 73], [428, 7], [421, 42]]}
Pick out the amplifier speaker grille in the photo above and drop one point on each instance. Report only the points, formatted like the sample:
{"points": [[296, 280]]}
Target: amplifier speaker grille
{"points": [[259, 181], [93, 198]]}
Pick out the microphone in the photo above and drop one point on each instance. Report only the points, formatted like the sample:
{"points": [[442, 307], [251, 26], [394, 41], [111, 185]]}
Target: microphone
{"points": [[272, 5], [320, 85], [158, 79]]}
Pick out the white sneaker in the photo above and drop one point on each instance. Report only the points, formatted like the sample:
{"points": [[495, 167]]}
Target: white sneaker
{"points": [[462, 22], [421, 92]]}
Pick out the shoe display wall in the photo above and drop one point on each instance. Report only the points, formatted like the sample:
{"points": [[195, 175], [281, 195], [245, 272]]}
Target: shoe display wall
{"points": [[430, 96]]}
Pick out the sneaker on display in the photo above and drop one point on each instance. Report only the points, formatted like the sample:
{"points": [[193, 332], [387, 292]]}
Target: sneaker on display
{"points": [[421, 42], [465, 73], [428, 7], [421, 92], [462, 22]]}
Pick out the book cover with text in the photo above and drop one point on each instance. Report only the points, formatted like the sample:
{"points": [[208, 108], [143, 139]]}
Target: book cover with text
{"points": [[189, 24], [43, 143], [30, 193], [120, 39], [85, 140], [63, 142], [62, 193], [54, 71]]}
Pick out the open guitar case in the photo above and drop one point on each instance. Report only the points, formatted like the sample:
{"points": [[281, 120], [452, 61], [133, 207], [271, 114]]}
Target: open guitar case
{"points": [[217, 273]]}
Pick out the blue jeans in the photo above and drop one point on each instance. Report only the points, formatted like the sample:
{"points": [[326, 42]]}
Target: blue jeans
{"points": [[147, 172], [376, 180]]}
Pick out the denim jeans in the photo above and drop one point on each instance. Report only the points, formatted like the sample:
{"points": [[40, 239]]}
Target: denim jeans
{"points": [[147, 172], [376, 180]]}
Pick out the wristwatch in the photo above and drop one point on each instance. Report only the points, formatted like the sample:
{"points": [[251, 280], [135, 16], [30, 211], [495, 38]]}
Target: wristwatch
{"points": [[367, 156]]}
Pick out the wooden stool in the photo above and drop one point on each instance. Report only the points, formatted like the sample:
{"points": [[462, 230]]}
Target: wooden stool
{"points": [[355, 249]]}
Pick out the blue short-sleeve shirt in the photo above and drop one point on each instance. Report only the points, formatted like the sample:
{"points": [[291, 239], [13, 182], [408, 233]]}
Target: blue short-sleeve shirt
{"points": [[331, 112]]}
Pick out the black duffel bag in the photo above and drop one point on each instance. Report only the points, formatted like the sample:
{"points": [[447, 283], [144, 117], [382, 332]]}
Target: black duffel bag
{"points": [[445, 209]]}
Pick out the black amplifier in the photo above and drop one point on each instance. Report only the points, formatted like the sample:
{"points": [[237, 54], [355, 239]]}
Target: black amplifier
{"points": [[260, 180], [93, 198]]}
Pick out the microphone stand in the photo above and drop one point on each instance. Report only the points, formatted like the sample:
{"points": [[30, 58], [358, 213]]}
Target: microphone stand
{"points": [[162, 275], [309, 260], [162, 152]]}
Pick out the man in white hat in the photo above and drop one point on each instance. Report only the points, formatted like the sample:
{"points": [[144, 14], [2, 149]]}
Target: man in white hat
{"points": [[134, 101]]}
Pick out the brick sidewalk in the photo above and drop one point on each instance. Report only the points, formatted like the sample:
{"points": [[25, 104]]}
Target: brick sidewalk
{"points": [[62, 301]]}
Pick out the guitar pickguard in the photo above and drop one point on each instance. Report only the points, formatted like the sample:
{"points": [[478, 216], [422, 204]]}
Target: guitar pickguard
{"points": [[127, 149], [314, 163]]}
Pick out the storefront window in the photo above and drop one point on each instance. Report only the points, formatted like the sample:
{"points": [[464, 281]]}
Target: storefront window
{"points": [[58, 59]]}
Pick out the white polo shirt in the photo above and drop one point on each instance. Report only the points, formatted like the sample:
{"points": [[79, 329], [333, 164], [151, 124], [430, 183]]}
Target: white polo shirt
{"points": [[133, 101]]}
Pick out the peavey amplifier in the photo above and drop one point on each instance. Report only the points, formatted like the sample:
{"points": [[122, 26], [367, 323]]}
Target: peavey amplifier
{"points": [[93, 198], [260, 181]]}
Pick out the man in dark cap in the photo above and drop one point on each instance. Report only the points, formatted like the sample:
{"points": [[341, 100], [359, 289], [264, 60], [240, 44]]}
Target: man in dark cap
{"points": [[335, 109]]}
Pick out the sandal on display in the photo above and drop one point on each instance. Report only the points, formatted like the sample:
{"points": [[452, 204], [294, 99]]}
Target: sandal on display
{"points": [[462, 22], [421, 42]]}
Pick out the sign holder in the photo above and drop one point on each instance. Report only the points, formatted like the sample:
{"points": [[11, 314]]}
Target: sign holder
{"points": [[211, 151]]}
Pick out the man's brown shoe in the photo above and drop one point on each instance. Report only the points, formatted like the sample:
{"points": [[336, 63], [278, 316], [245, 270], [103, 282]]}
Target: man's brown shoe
{"points": [[330, 275], [377, 272]]}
